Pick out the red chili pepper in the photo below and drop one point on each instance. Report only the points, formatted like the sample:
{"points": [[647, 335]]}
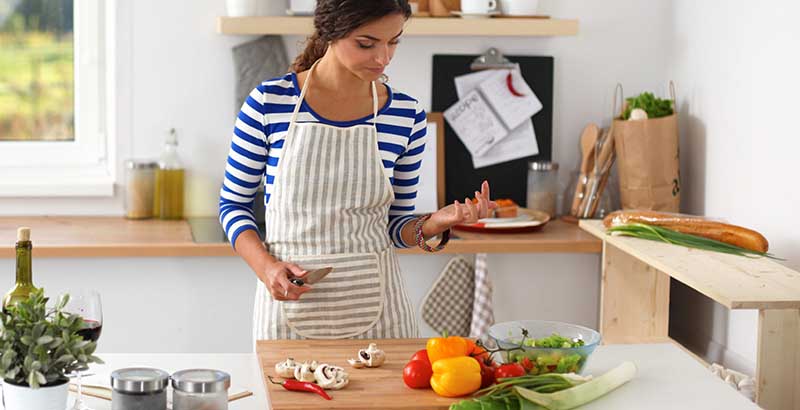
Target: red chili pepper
{"points": [[294, 385], [510, 83]]}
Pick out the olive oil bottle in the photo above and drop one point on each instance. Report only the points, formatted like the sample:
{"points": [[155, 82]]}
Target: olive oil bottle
{"points": [[24, 284], [169, 181]]}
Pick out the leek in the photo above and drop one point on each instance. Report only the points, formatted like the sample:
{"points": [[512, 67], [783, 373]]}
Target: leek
{"points": [[661, 234], [583, 393]]}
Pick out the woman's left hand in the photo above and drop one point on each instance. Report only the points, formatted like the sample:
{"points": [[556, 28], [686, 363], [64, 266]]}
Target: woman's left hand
{"points": [[460, 213]]}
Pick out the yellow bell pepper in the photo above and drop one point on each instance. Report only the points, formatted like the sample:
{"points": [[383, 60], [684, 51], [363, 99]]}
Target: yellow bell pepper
{"points": [[456, 376], [444, 347]]}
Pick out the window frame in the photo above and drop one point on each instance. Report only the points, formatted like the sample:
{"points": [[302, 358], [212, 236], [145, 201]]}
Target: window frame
{"points": [[85, 166]]}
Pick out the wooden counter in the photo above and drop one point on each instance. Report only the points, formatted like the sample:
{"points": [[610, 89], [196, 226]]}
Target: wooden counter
{"points": [[97, 237], [634, 301]]}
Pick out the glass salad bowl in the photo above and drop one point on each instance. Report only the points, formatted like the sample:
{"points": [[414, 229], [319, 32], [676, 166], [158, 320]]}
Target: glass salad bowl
{"points": [[549, 347]]}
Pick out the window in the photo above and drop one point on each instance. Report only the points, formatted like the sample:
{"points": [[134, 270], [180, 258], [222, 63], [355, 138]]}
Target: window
{"points": [[54, 101]]}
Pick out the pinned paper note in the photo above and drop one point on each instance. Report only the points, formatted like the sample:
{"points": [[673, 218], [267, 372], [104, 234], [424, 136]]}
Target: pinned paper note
{"points": [[520, 141], [512, 98], [476, 125]]}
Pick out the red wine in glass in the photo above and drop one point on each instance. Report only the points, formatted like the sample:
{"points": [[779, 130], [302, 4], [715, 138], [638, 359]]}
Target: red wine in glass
{"points": [[90, 330]]}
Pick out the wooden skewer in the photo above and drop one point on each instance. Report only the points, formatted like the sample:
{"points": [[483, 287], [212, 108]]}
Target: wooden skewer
{"points": [[102, 392]]}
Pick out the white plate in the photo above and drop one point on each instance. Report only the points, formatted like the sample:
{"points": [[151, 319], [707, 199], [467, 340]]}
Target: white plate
{"points": [[299, 13], [475, 15]]}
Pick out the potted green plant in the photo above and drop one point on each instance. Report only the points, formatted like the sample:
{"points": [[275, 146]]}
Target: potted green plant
{"points": [[39, 348]]}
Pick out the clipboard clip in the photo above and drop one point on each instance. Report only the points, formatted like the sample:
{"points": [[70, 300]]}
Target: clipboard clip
{"points": [[492, 59]]}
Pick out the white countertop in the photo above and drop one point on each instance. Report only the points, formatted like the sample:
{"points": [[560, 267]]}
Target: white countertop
{"points": [[667, 378]]}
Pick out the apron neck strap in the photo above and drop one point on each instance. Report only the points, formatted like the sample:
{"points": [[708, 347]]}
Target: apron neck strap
{"points": [[305, 88]]}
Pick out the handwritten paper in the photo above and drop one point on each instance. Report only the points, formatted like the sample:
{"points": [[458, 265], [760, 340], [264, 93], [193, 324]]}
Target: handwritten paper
{"points": [[475, 123], [520, 142]]}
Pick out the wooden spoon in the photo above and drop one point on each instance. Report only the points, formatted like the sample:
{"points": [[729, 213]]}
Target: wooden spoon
{"points": [[588, 141]]}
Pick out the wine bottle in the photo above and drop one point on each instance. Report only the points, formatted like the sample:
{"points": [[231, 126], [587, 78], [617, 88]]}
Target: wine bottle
{"points": [[24, 285]]}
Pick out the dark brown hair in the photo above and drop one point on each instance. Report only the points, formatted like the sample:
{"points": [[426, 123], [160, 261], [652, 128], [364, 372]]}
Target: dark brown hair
{"points": [[335, 19]]}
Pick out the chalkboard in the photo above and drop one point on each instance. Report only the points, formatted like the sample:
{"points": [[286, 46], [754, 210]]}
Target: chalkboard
{"points": [[508, 179]]}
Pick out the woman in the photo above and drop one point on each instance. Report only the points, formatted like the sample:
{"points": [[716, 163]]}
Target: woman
{"points": [[339, 191]]}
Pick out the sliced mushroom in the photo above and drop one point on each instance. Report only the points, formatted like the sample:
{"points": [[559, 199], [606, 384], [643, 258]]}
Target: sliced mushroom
{"points": [[331, 377], [304, 373], [286, 368], [356, 363]]}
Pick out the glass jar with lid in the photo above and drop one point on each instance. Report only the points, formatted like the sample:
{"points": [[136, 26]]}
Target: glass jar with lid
{"points": [[140, 183], [543, 186], [205, 389], [139, 388]]}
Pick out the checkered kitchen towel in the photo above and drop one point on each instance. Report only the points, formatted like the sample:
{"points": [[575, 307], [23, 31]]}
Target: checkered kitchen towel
{"points": [[448, 305], [482, 312]]}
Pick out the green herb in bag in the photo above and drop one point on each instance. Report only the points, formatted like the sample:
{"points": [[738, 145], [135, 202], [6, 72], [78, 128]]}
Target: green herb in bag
{"points": [[652, 105]]}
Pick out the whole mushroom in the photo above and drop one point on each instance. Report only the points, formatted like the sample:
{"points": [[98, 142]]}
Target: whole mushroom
{"points": [[331, 377], [372, 356], [286, 368]]}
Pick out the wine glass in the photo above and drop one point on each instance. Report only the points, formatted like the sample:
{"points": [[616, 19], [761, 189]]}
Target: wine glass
{"points": [[86, 304]]}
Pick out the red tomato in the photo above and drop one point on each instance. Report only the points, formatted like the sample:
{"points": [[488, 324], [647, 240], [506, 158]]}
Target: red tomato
{"points": [[487, 372], [417, 374], [421, 355], [509, 370], [526, 363]]}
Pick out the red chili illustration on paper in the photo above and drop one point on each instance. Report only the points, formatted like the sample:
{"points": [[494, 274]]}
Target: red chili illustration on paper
{"points": [[510, 82]]}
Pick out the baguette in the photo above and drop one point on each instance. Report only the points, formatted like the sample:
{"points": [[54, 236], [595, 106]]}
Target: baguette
{"points": [[693, 225]]}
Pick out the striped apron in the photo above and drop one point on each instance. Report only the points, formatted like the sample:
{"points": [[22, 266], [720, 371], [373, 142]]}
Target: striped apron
{"points": [[329, 207]]}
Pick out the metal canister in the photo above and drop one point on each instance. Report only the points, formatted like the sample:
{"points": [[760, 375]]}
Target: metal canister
{"points": [[139, 388], [205, 389]]}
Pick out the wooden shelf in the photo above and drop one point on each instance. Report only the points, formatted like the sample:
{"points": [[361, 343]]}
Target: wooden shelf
{"points": [[96, 237], [733, 281], [417, 26]]}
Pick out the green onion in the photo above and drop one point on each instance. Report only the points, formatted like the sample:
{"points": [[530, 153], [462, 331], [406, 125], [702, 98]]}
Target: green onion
{"points": [[661, 234], [502, 395], [582, 393]]}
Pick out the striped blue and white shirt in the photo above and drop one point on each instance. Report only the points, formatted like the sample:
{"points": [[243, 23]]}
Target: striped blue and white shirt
{"points": [[258, 139]]}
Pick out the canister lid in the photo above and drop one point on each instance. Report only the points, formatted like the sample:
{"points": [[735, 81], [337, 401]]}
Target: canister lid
{"points": [[543, 166], [140, 164], [201, 381], [139, 380]]}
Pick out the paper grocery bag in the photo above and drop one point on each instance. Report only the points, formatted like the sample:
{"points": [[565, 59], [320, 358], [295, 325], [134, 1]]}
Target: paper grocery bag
{"points": [[648, 164]]}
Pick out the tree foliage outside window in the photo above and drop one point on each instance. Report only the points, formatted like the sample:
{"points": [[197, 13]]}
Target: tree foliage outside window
{"points": [[37, 82]]}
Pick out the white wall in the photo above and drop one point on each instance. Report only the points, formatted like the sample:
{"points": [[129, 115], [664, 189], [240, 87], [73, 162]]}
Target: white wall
{"points": [[736, 65], [175, 71]]}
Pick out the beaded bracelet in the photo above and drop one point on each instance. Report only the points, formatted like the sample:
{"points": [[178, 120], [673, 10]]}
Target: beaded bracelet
{"points": [[420, 238]]}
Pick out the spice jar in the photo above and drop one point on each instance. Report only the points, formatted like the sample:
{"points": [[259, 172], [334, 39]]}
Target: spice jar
{"points": [[204, 389], [140, 183], [543, 188], [139, 388]]}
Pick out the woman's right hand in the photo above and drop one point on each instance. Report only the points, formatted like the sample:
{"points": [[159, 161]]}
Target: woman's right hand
{"points": [[276, 279]]}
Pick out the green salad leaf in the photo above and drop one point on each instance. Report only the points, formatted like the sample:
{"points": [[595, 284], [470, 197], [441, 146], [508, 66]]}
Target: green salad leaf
{"points": [[654, 107]]}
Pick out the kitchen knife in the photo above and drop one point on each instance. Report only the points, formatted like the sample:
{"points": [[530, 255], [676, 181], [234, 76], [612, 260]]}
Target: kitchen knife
{"points": [[311, 277]]}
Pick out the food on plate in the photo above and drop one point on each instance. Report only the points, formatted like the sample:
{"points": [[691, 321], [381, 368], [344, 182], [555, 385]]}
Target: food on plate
{"points": [[369, 357], [417, 374], [331, 377], [294, 385], [693, 225], [286, 368], [506, 208], [456, 376]]}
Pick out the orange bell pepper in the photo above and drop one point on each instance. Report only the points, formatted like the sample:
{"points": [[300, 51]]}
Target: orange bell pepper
{"points": [[456, 376], [444, 347]]}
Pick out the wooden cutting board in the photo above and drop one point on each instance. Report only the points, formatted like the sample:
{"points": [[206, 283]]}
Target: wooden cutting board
{"points": [[377, 388]]}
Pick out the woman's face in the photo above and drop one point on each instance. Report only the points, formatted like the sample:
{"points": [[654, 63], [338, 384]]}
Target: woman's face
{"points": [[368, 49]]}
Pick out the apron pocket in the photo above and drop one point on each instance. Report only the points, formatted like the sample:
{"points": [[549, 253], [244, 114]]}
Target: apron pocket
{"points": [[345, 303]]}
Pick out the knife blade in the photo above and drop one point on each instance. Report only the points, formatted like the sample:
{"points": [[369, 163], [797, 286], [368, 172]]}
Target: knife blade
{"points": [[311, 277]]}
